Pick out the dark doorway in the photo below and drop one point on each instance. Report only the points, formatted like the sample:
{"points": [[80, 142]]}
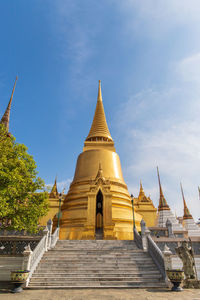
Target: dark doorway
{"points": [[99, 216]]}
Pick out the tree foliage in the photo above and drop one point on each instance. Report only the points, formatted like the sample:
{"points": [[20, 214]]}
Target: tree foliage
{"points": [[21, 205]]}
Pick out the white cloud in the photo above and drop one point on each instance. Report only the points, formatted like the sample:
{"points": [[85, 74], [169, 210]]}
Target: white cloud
{"points": [[161, 127], [189, 68], [156, 17]]}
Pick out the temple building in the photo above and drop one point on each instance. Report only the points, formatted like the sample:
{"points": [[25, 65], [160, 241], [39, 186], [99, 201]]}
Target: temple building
{"points": [[53, 206], [144, 206], [165, 213], [98, 204], [188, 221]]}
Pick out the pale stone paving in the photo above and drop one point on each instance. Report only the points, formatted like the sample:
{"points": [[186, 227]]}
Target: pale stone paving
{"points": [[103, 294]]}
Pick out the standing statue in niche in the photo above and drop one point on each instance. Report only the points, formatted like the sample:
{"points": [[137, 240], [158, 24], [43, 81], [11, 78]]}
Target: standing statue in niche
{"points": [[186, 254]]}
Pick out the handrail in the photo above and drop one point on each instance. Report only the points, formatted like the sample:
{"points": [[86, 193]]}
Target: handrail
{"points": [[55, 237], [37, 255], [47, 242], [156, 255], [137, 239]]}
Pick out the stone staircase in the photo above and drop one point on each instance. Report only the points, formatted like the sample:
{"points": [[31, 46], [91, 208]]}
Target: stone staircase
{"points": [[96, 264]]}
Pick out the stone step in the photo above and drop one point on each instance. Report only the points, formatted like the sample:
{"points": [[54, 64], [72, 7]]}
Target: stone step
{"points": [[95, 279], [96, 259], [95, 267], [100, 284], [101, 254], [78, 274], [100, 267], [84, 250], [98, 262], [95, 276], [106, 242], [95, 271], [95, 252]]}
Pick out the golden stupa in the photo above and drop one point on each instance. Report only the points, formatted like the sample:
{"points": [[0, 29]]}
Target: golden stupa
{"points": [[98, 204]]}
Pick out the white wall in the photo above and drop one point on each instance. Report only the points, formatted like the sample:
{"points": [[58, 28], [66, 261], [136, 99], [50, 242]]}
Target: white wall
{"points": [[8, 264]]}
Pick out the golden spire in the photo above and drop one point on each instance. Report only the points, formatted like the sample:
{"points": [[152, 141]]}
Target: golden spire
{"points": [[187, 214], [6, 117], [99, 92], [162, 201], [54, 191], [99, 130], [141, 193], [142, 197]]}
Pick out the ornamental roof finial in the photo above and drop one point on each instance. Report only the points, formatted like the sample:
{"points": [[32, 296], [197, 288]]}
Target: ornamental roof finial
{"points": [[6, 117]]}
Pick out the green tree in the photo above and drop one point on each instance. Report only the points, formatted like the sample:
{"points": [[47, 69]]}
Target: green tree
{"points": [[23, 199]]}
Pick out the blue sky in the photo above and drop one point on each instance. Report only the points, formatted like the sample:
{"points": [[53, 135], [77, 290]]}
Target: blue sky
{"points": [[147, 54]]}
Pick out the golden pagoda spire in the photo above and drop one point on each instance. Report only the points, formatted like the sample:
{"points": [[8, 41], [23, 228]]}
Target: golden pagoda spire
{"points": [[6, 117], [162, 201], [187, 214], [99, 130], [141, 193], [142, 197], [99, 92], [54, 191]]}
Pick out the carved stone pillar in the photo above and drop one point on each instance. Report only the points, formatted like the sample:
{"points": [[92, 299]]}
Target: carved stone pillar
{"points": [[169, 228], [167, 258]]}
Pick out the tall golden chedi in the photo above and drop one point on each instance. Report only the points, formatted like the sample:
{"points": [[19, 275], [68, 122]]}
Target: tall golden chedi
{"points": [[98, 204]]}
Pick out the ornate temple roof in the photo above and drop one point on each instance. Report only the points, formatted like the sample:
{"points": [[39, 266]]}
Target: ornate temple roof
{"points": [[6, 117], [142, 197], [162, 201], [99, 129], [187, 214], [54, 191]]}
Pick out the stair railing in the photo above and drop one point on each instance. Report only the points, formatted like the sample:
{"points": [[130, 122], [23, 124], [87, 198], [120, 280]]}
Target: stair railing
{"points": [[32, 258], [55, 237], [137, 239], [156, 255], [146, 243]]}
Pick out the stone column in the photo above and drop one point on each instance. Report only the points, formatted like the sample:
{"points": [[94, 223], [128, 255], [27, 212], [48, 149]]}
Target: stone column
{"points": [[27, 254], [26, 264], [167, 258], [144, 233], [50, 227], [169, 228], [46, 232]]}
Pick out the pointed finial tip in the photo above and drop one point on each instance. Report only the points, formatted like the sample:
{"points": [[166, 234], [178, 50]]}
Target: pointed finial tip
{"points": [[16, 78], [99, 92]]}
